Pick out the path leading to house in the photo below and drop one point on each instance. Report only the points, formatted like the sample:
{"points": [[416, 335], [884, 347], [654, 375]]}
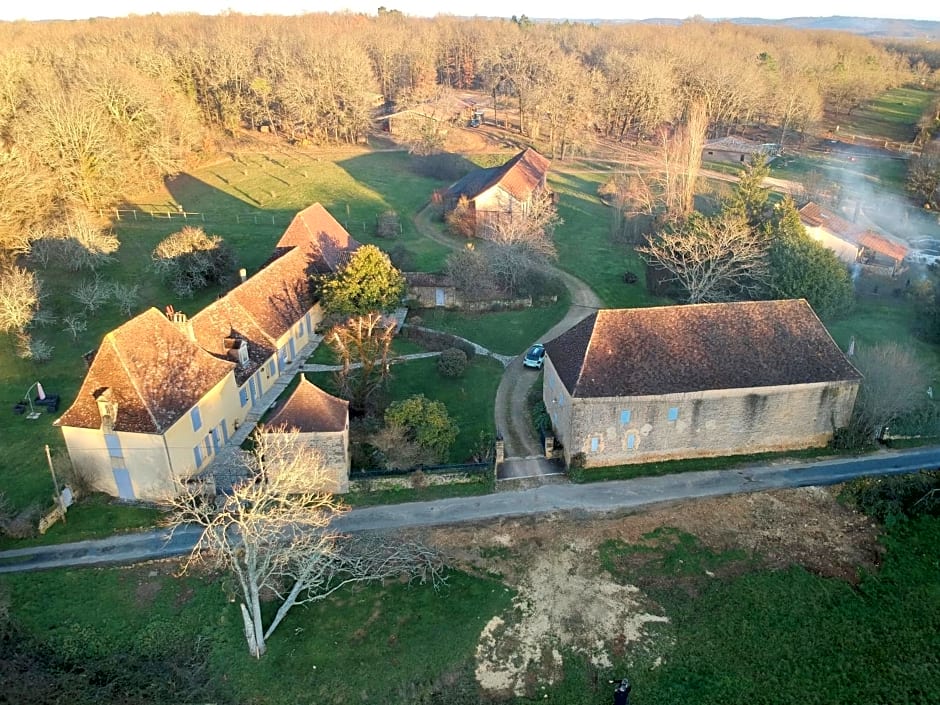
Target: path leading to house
{"points": [[596, 498], [522, 446]]}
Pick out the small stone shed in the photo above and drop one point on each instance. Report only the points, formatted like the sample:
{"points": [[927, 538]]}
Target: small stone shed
{"points": [[322, 422]]}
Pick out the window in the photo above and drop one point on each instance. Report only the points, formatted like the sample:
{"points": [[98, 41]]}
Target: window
{"points": [[631, 442], [243, 396], [673, 413], [197, 455], [195, 418], [114, 445], [625, 417], [595, 444]]}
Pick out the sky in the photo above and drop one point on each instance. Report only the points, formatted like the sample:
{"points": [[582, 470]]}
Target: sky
{"points": [[585, 9]]}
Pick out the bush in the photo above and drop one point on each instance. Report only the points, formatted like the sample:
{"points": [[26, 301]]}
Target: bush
{"points": [[443, 167], [190, 260], [892, 498], [452, 363], [630, 277], [23, 525], [388, 225]]}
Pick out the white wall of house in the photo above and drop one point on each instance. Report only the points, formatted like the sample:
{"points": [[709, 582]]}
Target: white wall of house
{"points": [[845, 250]]}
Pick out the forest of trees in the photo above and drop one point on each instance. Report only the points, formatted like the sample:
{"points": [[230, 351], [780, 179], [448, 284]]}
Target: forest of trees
{"points": [[90, 110]]}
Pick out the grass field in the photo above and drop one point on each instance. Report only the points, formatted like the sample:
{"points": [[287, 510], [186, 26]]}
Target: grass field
{"points": [[469, 399], [737, 632], [891, 116]]}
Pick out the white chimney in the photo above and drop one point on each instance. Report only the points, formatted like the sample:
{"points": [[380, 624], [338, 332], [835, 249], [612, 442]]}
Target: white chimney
{"points": [[184, 324], [243, 274], [107, 409]]}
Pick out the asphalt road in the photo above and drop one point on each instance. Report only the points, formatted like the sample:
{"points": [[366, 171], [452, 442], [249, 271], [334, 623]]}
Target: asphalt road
{"points": [[598, 498]]}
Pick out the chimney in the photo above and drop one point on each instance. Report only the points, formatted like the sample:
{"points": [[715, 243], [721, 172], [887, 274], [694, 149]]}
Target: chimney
{"points": [[184, 324], [243, 274], [107, 409]]}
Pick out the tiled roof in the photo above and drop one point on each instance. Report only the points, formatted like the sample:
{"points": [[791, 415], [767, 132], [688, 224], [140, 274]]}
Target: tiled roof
{"points": [[155, 373], [675, 349], [277, 296], [227, 318], [325, 241], [311, 410], [428, 279], [816, 216], [520, 176], [734, 144], [882, 245]]}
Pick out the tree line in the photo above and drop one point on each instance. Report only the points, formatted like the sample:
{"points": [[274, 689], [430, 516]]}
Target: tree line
{"points": [[92, 109]]}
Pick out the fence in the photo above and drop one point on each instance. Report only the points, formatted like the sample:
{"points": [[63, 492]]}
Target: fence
{"points": [[245, 218]]}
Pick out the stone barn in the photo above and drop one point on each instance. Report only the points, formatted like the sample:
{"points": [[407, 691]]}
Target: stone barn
{"points": [[663, 383]]}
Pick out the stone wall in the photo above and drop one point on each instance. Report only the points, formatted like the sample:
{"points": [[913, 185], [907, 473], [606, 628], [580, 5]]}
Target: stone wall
{"points": [[711, 423], [375, 482]]}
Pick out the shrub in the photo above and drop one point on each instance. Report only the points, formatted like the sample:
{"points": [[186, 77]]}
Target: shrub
{"points": [[892, 498], [630, 277], [23, 525], [452, 363], [388, 225], [190, 260]]}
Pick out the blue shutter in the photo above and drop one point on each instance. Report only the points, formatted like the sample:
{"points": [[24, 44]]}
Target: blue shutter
{"points": [[595, 444], [224, 431], [631, 441], [673, 413], [271, 368], [196, 418], [243, 395], [197, 454], [625, 416], [300, 329]]}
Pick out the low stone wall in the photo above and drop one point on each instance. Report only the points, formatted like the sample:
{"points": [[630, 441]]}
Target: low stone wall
{"points": [[415, 479]]}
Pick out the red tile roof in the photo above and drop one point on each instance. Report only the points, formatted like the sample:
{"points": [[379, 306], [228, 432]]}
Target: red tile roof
{"points": [[816, 216], [311, 410], [520, 176], [155, 373], [278, 295], [227, 318], [692, 348], [326, 242]]}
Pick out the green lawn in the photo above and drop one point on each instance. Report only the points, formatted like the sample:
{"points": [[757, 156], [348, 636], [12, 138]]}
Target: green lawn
{"points": [[737, 633], [585, 247], [504, 332], [469, 399], [892, 116]]}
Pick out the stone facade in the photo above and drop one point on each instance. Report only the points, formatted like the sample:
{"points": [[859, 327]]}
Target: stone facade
{"points": [[623, 430]]}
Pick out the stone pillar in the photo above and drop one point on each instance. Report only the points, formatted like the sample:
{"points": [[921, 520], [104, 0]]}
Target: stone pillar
{"points": [[500, 451], [549, 445]]}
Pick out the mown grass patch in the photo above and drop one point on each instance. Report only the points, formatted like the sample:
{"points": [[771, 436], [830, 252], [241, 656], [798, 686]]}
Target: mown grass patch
{"points": [[586, 248], [394, 643], [504, 332], [469, 399], [893, 115], [93, 517]]}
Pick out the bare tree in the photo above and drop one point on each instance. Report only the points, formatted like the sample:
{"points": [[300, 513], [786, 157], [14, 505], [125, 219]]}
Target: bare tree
{"points": [[20, 296], [895, 383], [713, 259], [681, 161], [126, 296], [272, 531], [92, 293], [74, 324], [362, 344]]}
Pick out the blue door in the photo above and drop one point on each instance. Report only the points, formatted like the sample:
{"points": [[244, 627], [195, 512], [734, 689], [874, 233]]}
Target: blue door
{"points": [[215, 440], [122, 478], [251, 388], [439, 297], [281, 359]]}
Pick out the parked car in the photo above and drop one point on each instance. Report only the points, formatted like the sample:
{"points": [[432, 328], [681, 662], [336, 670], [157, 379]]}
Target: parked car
{"points": [[535, 357]]}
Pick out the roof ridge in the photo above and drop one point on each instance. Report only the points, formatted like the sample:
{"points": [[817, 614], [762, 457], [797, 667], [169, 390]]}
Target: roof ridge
{"points": [[587, 349], [133, 378]]}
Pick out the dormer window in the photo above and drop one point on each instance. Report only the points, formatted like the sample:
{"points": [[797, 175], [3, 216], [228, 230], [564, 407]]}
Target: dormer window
{"points": [[237, 350]]}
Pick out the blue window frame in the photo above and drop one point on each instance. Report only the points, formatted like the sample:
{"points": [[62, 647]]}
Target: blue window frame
{"points": [[114, 445], [673, 413], [625, 416], [631, 442], [197, 455], [243, 396], [195, 418], [595, 444]]}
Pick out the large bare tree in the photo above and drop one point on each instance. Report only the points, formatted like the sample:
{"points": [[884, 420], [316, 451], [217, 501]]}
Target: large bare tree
{"points": [[362, 344], [272, 530], [713, 259]]}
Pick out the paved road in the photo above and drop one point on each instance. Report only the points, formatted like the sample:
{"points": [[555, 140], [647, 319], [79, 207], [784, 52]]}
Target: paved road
{"points": [[601, 497]]}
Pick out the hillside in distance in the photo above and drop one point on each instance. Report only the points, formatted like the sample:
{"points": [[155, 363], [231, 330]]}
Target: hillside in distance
{"points": [[875, 28]]}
